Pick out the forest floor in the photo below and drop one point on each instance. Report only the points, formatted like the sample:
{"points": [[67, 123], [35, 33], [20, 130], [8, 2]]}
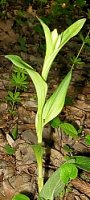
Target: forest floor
{"points": [[20, 34]]}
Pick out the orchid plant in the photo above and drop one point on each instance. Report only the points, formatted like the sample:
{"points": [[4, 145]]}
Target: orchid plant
{"points": [[49, 108]]}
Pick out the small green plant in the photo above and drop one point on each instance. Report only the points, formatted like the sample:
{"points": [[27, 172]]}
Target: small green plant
{"points": [[13, 98], [22, 43], [3, 2], [20, 18], [9, 150], [87, 140], [67, 128], [49, 108], [40, 2], [14, 132], [61, 177], [19, 83]]}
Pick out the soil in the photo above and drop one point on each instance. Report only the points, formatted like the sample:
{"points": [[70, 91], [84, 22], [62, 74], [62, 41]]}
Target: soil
{"points": [[18, 172]]}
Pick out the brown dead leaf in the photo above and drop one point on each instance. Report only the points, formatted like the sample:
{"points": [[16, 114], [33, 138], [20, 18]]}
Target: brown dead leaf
{"points": [[7, 34], [10, 140], [82, 186], [8, 190], [31, 11]]}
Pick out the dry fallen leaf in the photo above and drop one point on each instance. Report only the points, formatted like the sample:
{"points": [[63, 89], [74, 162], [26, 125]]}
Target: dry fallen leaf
{"points": [[82, 186], [8, 190]]}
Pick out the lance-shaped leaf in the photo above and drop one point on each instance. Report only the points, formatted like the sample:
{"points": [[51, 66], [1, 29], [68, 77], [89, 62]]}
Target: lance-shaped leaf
{"points": [[55, 41], [48, 38], [55, 103], [71, 31], [53, 187], [40, 84]]}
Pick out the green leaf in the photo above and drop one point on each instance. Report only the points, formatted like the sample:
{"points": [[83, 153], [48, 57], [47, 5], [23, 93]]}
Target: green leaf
{"points": [[38, 151], [13, 97], [19, 80], [40, 85], [20, 197], [68, 101], [68, 172], [48, 37], [87, 139], [53, 187], [55, 41], [69, 129], [82, 162], [71, 31], [9, 150], [15, 132], [68, 148], [55, 122], [10, 94], [55, 103], [16, 95]]}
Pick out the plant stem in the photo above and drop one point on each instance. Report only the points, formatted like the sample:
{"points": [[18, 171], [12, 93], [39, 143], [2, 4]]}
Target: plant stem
{"points": [[80, 49], [40, 176]]}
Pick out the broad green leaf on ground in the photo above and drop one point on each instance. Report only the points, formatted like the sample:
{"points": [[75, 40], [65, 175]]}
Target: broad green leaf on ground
{"points": [[9, 150], [53, 187], [68, 148], [87, 139], [55, 41], [69, 129], [14, 132], [68, 172], [20, 197], [82, 162], [55, 123], [40, 85], [56, 101]]}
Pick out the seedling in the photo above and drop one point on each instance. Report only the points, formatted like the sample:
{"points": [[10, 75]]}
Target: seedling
{"points": [[22, 43], [76, 62], [3, 2], [9, 150], [68, 149], [48, 109], [87, 140], [13, 98], [19, 83], [14, 132], [66, 127]]}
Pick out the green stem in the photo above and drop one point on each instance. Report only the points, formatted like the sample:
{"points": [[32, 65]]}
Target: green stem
{"points": [[80, 49], [39, 126], [40, 176], [39, 129]]}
